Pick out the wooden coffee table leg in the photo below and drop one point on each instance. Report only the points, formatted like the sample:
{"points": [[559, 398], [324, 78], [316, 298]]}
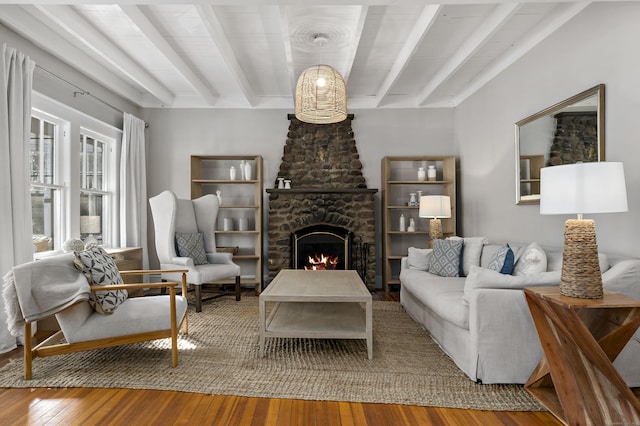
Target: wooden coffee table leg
{"points": [[369, 322], [262, 326]]}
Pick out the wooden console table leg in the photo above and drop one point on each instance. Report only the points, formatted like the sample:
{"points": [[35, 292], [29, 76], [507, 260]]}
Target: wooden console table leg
{"points": [[576, 379]]}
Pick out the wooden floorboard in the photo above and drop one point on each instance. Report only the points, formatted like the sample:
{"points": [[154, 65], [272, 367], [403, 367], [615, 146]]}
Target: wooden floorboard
{"points": [[86, 406]]}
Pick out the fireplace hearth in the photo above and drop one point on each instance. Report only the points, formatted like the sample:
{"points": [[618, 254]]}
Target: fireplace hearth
{"points": [[329, 200]]}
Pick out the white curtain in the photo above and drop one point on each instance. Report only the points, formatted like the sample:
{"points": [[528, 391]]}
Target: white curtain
{"points": [[16, 246], [133, 187]]}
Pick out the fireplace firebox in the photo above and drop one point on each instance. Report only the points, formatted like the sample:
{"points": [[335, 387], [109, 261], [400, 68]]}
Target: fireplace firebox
{"points": [[321, 247]]}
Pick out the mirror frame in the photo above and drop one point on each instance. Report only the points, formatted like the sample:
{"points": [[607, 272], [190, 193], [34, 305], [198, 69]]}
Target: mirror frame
{"points": [[598, 91]]}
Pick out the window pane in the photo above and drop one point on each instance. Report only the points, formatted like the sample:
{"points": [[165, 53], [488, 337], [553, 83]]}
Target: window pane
{"points": [[91, 220], [43, 207], [99, 164], [42, 149]]}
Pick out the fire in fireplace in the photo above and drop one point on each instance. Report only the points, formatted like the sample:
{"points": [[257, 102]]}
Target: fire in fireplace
{"points": [[321, 247], [322, 262]]}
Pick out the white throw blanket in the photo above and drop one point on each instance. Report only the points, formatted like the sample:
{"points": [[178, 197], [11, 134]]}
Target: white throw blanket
{"points": [[38, 289]]}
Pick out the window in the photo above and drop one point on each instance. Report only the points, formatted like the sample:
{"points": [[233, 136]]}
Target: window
{"points": [[93, 188], [73, 176], [46, 192]]}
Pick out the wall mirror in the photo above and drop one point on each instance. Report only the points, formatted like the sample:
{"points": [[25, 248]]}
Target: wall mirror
{"points": [[568, 132]]}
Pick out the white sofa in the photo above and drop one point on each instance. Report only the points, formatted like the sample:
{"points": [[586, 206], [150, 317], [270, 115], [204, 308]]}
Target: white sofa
{"points": [[492, 338]]}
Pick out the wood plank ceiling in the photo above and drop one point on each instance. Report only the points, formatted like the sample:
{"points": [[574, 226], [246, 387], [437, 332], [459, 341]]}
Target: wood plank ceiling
{"points": [[249, 53]]}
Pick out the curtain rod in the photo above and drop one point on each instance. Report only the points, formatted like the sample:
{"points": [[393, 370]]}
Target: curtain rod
{"points": [[83, 92]]}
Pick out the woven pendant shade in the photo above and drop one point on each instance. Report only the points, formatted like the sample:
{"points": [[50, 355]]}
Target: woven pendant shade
{"points": [[321, 96]]}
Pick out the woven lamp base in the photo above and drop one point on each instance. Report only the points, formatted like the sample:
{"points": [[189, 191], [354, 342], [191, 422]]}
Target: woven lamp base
{"points": [[581, 276], [435, 231]]}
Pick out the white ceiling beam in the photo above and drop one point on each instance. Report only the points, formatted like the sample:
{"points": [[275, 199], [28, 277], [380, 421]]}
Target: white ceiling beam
{"points": [[475, 41], [83, 33], [220, 40], [24, 20], [355, 42], [522, 47], [417, 34], [149, 30], [286, 39]]}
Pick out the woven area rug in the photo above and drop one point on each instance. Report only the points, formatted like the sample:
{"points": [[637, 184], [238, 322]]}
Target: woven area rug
{"points": [[220, 356]]}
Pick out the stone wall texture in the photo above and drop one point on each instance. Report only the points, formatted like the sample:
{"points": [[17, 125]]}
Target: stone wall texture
{"points": [[328, 187]]}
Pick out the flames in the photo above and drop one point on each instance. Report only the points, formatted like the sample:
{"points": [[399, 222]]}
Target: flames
{"points": [[321, 262]]}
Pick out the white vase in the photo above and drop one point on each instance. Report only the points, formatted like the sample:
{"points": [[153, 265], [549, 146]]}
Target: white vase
{"points": [[421, 173], [232, 173], [247, 171], [242, 170], [402, 224], [280, 183], [431, 173]]}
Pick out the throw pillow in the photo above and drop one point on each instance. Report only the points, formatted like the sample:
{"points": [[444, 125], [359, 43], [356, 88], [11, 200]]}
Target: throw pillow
{"points": [[100, 269], [192, 245], [419, 258], [502, 260], [532, 260], [472, 250], [446, 258], [485, 278]]}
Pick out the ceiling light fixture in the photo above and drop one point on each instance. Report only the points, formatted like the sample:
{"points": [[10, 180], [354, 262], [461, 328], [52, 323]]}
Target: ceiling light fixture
{"points": [[321, 95]]}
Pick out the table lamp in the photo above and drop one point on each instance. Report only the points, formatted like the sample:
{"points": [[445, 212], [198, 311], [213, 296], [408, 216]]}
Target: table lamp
{"points": [[580, 188], [90, 225], [435, 207]]}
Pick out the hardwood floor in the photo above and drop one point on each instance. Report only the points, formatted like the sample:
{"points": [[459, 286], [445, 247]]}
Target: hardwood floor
{"points": [[75, 406]]}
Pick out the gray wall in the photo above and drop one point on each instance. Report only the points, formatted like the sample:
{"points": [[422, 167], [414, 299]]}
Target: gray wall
{"points": [[57, 80], [597, 46], [176, 134]]}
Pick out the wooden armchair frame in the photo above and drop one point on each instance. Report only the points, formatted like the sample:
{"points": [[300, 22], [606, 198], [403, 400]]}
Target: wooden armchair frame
{"points": [[48, 347]]}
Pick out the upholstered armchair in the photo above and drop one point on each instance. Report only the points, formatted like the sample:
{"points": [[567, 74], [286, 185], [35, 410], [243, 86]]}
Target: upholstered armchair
{"points": [[91, 316], [185, 238]]}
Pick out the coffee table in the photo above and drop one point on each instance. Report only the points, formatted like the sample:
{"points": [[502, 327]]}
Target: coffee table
{"points": [[317, 304]]}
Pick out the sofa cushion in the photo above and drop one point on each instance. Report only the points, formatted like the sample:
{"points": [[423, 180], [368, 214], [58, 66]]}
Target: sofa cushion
{"points": [[502, 261], [531, 260], [441, 296], [192, 245], [471, 252], [419, 258], [486, 278], [100, 270], [446, 257]]}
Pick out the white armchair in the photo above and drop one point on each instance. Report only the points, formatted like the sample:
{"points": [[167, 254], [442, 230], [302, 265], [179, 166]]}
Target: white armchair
{"points": [[173, 216]]}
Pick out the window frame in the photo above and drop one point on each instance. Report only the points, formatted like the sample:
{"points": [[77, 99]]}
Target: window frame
{"points": [[68, 168]]}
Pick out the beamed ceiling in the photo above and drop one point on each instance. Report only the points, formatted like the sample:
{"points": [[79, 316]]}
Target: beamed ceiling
{"points": [[249, 53]]}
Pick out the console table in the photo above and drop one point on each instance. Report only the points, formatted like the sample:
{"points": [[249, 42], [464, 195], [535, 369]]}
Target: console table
{"points": [[576, 379]]}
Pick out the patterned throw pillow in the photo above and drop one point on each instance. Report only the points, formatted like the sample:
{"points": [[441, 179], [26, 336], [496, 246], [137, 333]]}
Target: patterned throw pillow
{"points": [[100, 269], [192, 245], [445, 258], [502, 260]]}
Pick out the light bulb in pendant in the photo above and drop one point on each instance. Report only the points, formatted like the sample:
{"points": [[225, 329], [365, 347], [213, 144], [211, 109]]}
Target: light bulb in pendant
{"points": [[321, 82]]}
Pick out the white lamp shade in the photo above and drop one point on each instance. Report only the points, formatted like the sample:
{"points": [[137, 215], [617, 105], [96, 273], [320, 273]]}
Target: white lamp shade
{"points": [[436, 206], [597, 187], [89, 224], [321, 96]]}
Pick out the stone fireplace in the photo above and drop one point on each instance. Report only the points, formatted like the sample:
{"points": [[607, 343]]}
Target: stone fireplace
{"points": [[328, 195]]}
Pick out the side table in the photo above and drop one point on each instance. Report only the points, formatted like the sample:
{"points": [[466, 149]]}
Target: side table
{"points": [[576, 380]]}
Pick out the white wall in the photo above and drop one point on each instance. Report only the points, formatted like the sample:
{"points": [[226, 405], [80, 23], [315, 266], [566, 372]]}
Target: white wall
{"points": [[176, 134], [597, 46], [57, 80]]}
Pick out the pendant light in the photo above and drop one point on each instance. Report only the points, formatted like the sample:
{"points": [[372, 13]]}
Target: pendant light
{"points": [[321, 95]]}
